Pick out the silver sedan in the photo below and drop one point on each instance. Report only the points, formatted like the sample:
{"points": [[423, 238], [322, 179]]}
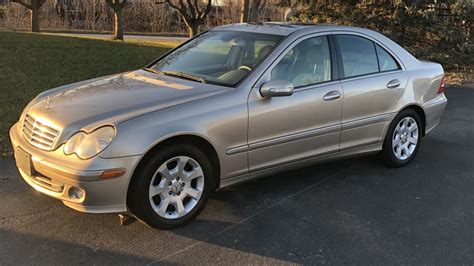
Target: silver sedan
{"points": [[232, 104]]}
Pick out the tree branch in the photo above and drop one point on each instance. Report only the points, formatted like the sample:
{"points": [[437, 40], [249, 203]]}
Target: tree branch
{"points": [[191, 9], [208, 9], [184, 11], [181, 9], [196, 4]]}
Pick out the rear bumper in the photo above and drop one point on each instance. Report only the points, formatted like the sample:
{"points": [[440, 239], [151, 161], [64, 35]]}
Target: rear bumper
{"points": [[76, 182], [434, 109]]}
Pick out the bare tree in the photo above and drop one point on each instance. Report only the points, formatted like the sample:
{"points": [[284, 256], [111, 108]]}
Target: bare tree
{"points": [[117, 6], [34, 9], [250, 11], [191, 12]]}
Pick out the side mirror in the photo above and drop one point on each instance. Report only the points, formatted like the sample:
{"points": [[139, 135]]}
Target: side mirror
{"points": [[276, 88]]}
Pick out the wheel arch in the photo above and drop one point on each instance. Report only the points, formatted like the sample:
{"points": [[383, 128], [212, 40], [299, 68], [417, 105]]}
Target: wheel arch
{"points": [[191, 139], [421, 113]]}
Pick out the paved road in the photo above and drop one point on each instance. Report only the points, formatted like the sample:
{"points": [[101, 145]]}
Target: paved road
{"points": [[349, 211], [127, 37]]}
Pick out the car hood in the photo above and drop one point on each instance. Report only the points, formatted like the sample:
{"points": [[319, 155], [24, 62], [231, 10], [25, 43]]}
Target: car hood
{"points": [[113, 99]]}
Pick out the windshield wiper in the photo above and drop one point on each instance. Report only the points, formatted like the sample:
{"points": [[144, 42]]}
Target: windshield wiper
{"points": [[153, 70], [175, 74], [184, 75]]}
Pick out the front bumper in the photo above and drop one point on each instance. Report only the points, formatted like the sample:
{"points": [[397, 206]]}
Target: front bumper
{"points": [[75, 182]]}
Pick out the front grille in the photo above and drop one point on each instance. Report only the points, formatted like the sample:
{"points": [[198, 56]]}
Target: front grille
{"points": [[39, 134]]}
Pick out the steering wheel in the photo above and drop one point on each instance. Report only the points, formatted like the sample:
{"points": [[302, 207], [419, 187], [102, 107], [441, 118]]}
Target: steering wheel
{"points": [[244, 67]]}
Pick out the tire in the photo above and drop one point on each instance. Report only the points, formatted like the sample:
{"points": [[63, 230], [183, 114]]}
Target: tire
{"points": [[162, 175], [398, 148]]}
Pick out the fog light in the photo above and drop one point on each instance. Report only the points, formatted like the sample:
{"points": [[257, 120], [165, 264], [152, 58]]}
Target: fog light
{"points": [[75, 193]]}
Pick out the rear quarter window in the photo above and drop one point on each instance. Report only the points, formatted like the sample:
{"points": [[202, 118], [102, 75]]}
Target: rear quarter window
{"points": [[386, 61]]}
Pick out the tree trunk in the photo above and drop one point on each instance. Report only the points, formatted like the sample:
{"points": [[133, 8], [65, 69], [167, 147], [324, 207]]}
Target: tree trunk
{"points": [[288, 14], [34, 19], [254, 11], [118, 24], [193, 26], [244, 14]]}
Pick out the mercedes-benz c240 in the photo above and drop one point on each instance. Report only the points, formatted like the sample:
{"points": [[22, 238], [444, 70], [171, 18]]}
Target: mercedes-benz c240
{"points": [[234, 103]]}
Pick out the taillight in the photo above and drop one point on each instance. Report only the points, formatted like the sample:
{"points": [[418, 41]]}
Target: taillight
{"points": [[441, 86]]}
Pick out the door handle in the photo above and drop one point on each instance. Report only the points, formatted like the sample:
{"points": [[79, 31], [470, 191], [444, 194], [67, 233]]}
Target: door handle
{"points": [[332, 95], [394, 83]]}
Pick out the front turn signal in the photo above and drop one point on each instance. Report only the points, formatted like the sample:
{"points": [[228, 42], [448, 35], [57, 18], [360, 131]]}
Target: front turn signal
{"points": [[113, 173]]}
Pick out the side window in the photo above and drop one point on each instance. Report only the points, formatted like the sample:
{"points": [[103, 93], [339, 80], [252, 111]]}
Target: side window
{"points": [[309, 62], [386, 61], [358, 55]]}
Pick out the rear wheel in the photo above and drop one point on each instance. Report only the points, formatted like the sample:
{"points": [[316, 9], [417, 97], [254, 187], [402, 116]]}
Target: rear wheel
{"points": [[172, 187], [403, 139]]}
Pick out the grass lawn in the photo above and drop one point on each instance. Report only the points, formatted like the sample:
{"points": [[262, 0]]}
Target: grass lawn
{"points": [[32, 63]]}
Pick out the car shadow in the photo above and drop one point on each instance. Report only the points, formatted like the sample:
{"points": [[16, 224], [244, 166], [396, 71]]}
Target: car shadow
{"points": [[256, 217], [25, 249]]}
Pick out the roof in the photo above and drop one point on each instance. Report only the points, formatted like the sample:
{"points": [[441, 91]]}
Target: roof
{"points": [[280, 28]]}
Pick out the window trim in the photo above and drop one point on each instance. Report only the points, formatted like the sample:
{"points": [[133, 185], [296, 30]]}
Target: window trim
{"points": [[377, 56], [315, 85], [376, 74], [375, 42], [335, 74]]}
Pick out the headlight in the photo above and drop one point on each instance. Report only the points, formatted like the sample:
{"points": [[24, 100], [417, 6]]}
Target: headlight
{"points": [[89, 145]]}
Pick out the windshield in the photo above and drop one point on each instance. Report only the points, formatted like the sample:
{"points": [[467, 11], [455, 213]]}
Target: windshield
{"points": [[218, 57]]}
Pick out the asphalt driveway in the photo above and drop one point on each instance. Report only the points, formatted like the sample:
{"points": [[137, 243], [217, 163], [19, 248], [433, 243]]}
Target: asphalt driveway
{"points": [[349, 211]]}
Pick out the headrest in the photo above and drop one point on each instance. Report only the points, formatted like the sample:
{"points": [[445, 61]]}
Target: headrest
{"points": [[264, 51], [314, 54], [235, 56]]}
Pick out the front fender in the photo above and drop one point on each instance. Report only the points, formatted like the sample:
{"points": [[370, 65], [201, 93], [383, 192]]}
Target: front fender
{"points": [[221, 121]]}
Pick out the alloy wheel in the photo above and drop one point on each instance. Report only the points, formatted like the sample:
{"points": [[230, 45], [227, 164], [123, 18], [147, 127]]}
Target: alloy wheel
{"points": [[176, 187], [405, 138]]}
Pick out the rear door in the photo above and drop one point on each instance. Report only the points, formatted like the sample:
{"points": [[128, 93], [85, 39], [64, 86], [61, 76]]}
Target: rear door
{"points": [[373, 81]]}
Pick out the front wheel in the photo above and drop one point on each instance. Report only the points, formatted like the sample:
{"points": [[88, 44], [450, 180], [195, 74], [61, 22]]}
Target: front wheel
{"points": [[403, 139], [172, 187]]}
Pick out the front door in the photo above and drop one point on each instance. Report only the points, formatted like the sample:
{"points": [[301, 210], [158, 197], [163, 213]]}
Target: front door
{"points": [[305, 124]]}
